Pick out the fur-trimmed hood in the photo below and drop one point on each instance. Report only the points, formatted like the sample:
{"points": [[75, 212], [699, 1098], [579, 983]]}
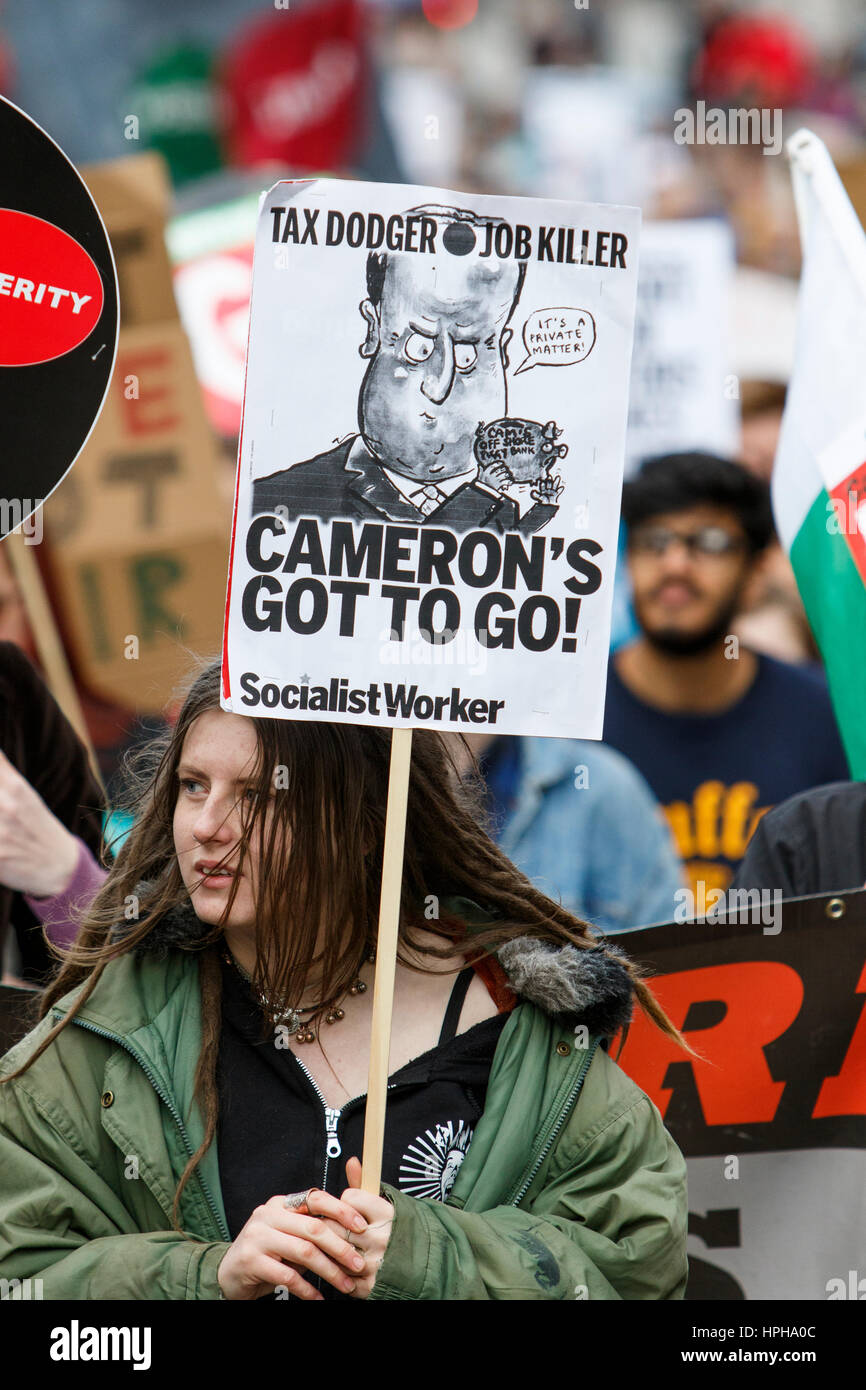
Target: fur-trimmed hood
{"points": [[591, 985]]}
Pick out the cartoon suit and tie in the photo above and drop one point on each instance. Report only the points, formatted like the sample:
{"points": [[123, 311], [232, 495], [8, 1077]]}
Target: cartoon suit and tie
{"points": [[436, 342]]}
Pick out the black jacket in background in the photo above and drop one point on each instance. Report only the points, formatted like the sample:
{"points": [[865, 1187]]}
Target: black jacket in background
{"points": [[42, 745], [814, 842]]}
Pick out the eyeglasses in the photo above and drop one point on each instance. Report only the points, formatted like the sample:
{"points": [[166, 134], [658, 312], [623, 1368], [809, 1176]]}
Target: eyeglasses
{"points": [[707, 540]]}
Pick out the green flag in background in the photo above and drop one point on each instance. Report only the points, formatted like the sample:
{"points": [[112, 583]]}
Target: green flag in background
{"points": [[175, 101]]}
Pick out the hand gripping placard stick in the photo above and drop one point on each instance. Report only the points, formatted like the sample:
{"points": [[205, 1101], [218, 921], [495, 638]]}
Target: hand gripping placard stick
{"points": [[386, 958]]}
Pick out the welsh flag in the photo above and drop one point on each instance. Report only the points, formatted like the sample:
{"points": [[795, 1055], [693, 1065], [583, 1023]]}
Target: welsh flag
{"points": [[819, 477]]}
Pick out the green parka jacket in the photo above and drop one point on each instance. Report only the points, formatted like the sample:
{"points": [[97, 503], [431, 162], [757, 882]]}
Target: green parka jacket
{"points": [[571, 1187]]}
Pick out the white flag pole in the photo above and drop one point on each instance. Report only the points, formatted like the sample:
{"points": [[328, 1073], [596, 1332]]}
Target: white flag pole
{"points": [[386, 958]]}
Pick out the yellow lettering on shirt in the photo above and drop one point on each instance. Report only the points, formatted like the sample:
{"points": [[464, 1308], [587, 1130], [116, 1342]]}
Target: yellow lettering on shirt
{"points": [[716, 826], [707, 802]]}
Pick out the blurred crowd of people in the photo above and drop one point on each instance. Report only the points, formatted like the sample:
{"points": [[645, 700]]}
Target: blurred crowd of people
{"points": [[716, 707], [721, 765], [711, 731]]}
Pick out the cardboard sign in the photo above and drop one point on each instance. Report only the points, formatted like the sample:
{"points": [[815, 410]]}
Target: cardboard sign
{"points": [[58, 315], [137, 543], [585, 129], [682, 395], [772, 1118], [134, 197], [430, 466], [136, 537]]}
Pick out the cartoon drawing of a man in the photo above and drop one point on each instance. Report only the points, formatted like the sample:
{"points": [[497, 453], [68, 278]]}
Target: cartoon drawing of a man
{"points": [[436, 342]]}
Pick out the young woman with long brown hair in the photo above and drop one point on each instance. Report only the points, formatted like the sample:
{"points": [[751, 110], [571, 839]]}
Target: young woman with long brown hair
{"points": [[185, 1120]]}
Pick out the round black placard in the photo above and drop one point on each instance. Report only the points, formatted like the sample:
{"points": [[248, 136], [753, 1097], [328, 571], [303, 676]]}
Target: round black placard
{"points": [[58, 315]]}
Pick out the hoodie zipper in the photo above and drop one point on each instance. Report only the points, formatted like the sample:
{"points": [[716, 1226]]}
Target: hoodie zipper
{"points": [[167, 1102], [333, 1147], [554, 1132], [332, 1119]]}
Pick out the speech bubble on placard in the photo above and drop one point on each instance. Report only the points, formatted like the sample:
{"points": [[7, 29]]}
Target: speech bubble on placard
{"points": [[58, 315], [557, 337]]}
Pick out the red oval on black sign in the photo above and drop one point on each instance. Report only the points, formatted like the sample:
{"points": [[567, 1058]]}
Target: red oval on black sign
{"points": [[50, 291]]}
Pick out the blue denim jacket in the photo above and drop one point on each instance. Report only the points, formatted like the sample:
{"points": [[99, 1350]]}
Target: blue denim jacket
{"points": [[587, 831]]}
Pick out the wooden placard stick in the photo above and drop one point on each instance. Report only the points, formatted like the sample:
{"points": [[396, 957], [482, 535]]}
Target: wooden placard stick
{"points": [[48, 644], [386, 958]]}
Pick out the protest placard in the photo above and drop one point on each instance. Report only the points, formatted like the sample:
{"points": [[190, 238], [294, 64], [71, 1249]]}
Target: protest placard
{"points": [[430, 465], [134, 198], [683, 393], [212, 254], [771, 1116], [454, 493], [136, 537], [586, 128], [58, 340], [58, 315]]}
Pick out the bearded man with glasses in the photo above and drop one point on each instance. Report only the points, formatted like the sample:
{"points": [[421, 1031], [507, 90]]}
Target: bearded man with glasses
{"points": [[720, 732]]}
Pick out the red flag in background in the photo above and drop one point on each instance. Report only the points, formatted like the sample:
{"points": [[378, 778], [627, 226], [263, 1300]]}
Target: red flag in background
{"points": [[295, 84]]}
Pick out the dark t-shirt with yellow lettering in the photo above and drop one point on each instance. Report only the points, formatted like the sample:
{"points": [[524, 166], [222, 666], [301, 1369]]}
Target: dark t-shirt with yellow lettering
{"points": [[716, 775]]}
